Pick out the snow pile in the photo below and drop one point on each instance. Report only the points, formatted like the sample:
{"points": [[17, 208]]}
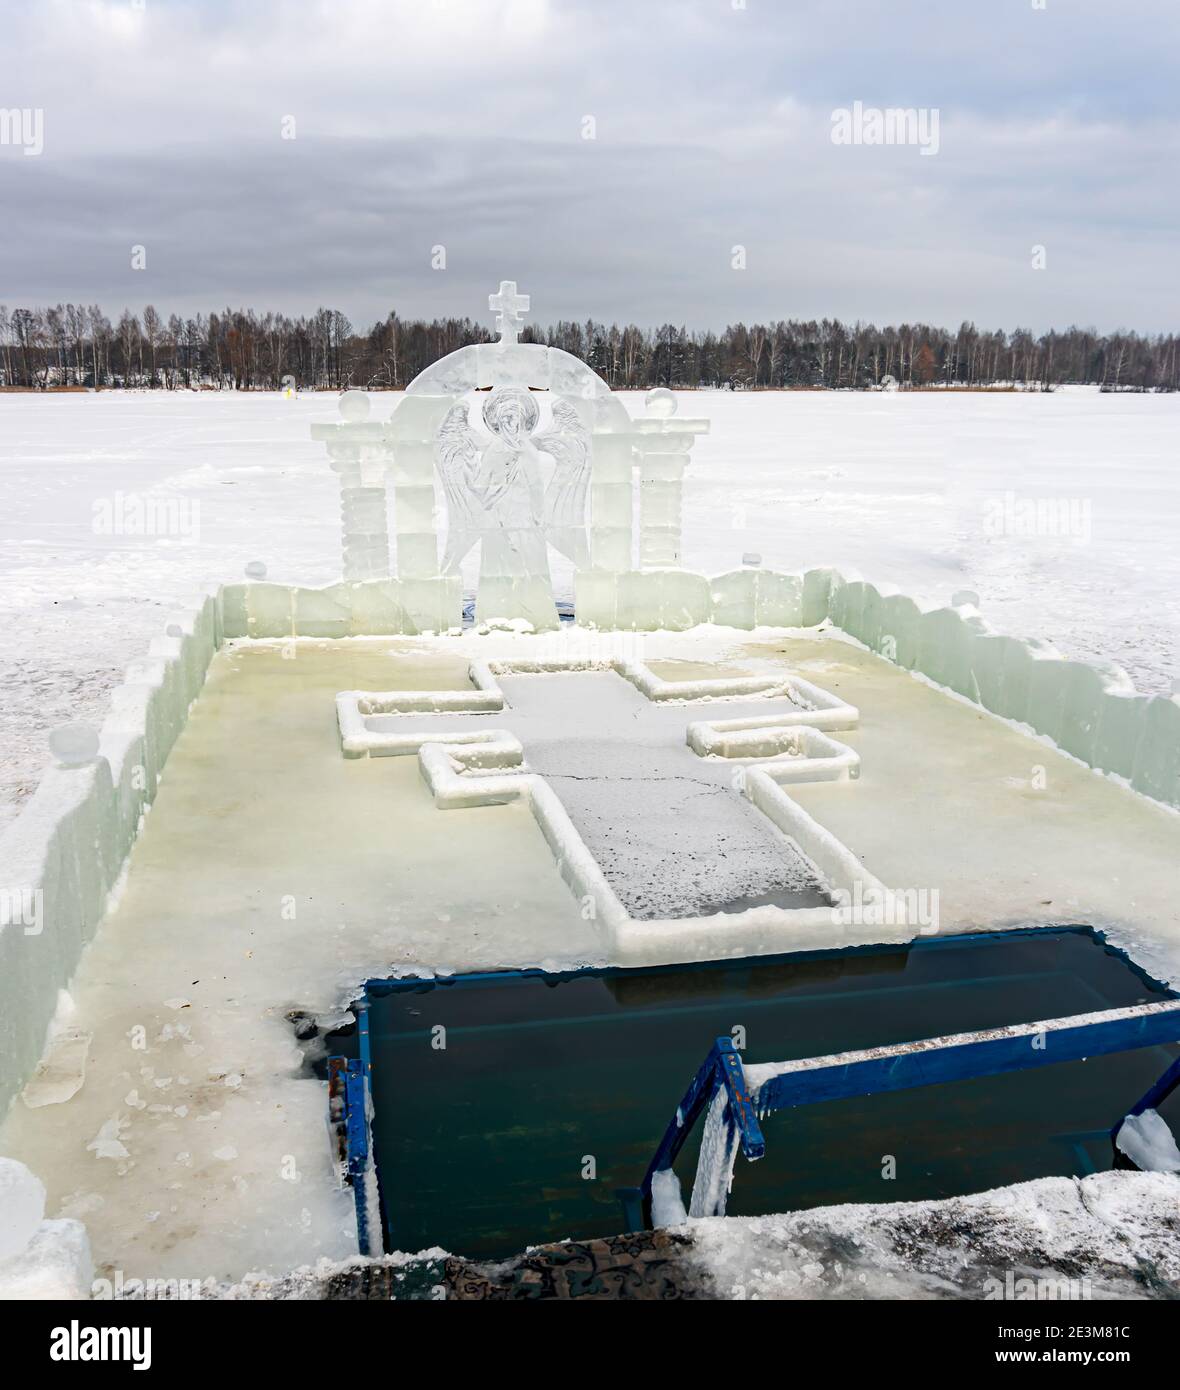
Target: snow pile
{"points": [[55, 1265], [22, 1206], [39, 1259], [1112, 1235]]}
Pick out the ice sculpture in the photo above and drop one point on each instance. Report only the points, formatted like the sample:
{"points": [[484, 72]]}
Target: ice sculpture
{"points": [[510, 309], [530, 450], [664, 447], [354, 447], [498, 491]]}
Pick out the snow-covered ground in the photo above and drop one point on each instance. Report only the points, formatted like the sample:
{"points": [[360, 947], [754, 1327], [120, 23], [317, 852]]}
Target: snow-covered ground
{"points": [[933, 493], [1109, 1236]]}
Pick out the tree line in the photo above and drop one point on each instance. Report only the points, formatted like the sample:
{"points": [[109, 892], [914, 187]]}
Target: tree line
{"points": [[77, 345]]}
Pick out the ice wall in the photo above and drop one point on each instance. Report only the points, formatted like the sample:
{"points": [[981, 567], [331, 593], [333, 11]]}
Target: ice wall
{"points": [[1092, 712], [62, 856]]}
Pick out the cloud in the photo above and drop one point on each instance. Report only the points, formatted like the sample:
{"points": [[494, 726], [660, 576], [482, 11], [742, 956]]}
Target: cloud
{"points": [[461, 122]]}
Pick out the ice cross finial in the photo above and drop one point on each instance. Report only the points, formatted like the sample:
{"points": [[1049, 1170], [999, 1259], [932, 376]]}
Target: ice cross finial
{"points": [[510, 308]]}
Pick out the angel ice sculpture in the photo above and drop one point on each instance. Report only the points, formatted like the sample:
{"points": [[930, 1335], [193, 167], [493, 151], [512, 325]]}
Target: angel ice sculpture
{"points": [[501, 492]]}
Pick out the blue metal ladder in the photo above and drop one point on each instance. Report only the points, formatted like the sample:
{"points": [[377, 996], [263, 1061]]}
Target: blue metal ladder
{"points": [[895, 1068]]}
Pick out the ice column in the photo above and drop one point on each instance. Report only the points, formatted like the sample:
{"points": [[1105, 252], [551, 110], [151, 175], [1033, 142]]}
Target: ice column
{"points": [[664, 447], [357, 455], [611, 502], [414, 519]]}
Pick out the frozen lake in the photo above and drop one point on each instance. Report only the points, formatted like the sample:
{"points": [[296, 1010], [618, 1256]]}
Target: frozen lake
{"points": [[1059, 510]]}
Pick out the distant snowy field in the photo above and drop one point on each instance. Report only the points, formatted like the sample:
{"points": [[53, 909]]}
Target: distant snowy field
{"points": [[1061, 511]]}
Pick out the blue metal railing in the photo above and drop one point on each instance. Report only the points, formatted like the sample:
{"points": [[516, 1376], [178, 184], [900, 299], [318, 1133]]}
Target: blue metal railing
{"points": [[349, 1091], [899, 1067]]}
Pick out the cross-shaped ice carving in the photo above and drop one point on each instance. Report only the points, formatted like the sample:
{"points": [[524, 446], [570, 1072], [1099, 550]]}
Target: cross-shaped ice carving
{"points": [[642, 804], [510, 309]]}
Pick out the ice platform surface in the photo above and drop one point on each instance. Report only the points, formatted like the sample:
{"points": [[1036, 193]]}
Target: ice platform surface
{"points": [[273, 876]]}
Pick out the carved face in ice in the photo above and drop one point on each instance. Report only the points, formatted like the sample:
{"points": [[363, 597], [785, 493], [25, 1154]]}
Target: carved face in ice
{"points": [[512, 413]]}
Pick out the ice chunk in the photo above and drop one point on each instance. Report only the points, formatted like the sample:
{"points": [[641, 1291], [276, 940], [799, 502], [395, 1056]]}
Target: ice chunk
{"points": [[22, 1206], [107, 1143], [376, 608], [685, 600], [1149, 1143], [1120, 727], [667, 1203], [661, 403], [817, 589], [61, 1072], [1085, 687], [780, 600], [1021, 656], [734, 598], [432, 605], [867, 628], [269, 607], [1157, 760], [323, 612], [594, 598], [516, 596], [637, 601], [354, 406], [74, 745], [944, 645]]}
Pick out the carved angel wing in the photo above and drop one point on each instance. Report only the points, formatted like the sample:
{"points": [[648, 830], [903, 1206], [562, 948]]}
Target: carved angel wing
{"points": [[457, 454], [568, 444]]}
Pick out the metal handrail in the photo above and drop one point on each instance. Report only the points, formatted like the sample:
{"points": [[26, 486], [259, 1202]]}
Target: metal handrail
{"points": [[765, 1088]]}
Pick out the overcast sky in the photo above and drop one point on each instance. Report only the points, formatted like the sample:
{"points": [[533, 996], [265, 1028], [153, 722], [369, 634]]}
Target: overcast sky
{"points": [[460, 123]]}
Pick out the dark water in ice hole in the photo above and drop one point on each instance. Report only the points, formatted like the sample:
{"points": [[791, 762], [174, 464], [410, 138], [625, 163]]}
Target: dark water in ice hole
{"points": [[480, 1146]]}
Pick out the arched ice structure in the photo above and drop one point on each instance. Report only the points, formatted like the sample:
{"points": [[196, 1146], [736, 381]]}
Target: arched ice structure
{"points": [[600, 453]]}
